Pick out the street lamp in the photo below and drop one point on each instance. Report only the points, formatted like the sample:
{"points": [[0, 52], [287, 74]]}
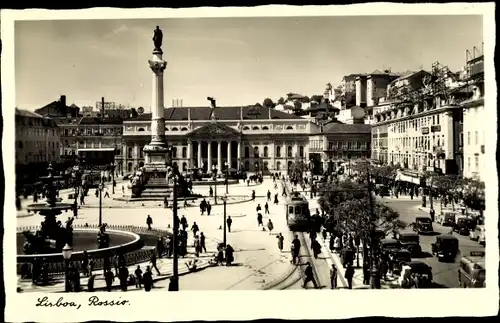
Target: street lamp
{"points": [[214, 172], [75, 174], [225, 220], [226, 165], [100, 187], [67, 251], [174, 281]]}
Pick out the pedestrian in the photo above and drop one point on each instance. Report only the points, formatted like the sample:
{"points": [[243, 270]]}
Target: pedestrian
{"points": [[432, 213], [270, 226], [349, 274], [210, 191], [202, 243], [195, 229], [147, 279], [138, 277], [109, 278], [229, 255], [295, 249], [160, 247], [123, 277], [149, 222], [96, 192], [259, 220], [184, 223], [276, 199], [90, 283], [253, 195], [106, 194], [258, 208], [333, 276], [116, 263], [316, 247], [309, 276], [209, 208], [168, 247], [196, 245], [153, 262], [106, 265], [202, 207], [280, 241], [266, 208], [366, 273], [332, 242], [229, 221], [268, 195]]}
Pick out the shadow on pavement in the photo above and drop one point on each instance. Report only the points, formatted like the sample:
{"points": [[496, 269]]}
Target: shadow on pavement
{"points": [[424, 254]]}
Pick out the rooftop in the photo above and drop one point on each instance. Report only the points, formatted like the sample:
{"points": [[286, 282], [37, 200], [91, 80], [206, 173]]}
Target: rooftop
{"points": [[334, 127], [221, 113], [26, 113]]}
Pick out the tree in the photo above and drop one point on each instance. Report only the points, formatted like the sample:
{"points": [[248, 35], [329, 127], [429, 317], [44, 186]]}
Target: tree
{"points": [[473, 195], [268, 103], [446, 186], [281, 101]]}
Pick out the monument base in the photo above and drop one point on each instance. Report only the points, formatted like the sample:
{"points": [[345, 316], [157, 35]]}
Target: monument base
{"points": [[157, 160]]}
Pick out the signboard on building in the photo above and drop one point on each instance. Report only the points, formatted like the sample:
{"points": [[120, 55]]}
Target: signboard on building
{"points": [[425, 130], [436, 128]]}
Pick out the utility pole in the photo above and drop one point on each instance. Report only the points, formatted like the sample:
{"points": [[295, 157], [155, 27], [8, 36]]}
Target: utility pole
{"points": [[174, 281], [374, 274]]}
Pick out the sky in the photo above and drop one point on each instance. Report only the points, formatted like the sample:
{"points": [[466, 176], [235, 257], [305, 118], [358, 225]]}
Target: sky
{"points": [[239, 61]]}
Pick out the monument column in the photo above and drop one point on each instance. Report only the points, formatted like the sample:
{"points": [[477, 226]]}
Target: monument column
{"points": [[219, 156], [209, 157], [157, 155], [199, 154]]}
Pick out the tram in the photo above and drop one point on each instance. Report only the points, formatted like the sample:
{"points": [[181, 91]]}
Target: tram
{"points": [[297, 212]]}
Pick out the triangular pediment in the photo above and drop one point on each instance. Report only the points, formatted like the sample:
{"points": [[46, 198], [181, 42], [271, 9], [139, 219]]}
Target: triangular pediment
{"points": [[214, 129]]}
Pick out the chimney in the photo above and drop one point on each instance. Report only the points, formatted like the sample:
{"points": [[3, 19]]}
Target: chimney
{"points": [[63, 100]]}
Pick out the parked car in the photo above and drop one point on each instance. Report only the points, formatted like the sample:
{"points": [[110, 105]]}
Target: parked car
{"points": [[418, 268], [446, 218], [390, 245], [411, 242], [464, 224], [423, 225], [398, 257], [445, 248], [478, 234], [472, 271]]}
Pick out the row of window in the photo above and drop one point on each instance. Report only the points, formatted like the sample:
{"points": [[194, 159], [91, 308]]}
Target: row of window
{"points": [[476, 137], [94, 132], [37, 144], [22, 131], [416, 124], [332, 145], [36, 158], [424, 142], [244, 128]]}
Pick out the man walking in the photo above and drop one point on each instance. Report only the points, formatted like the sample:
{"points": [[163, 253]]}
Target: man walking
{"points": [[333, 276], [202, 243], [349, 274], [309, 276], [229, 221], [295, 249], [153, 262], [268, 196], [149, 222], [266, 208]]}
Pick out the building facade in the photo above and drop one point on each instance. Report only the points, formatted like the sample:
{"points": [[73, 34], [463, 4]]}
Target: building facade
{"points": [[37, 138], [474, 115], [419, 124], [244, 138]]}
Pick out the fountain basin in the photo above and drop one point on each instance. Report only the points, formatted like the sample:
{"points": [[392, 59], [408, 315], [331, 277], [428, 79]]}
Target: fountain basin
{"points": [[43, 207], [86, 239]]}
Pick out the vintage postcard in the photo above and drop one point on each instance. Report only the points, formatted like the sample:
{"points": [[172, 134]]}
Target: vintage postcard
{"points": [[186, 160]]}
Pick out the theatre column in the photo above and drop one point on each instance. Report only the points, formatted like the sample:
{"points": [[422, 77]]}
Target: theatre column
{"points": [[199, 154], [219, 156], [229, 154], [190, 154], [209, 157], [238, 157]]}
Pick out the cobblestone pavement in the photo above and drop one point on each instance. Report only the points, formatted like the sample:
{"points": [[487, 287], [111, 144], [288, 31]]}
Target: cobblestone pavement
{"points": [[257, 258]]}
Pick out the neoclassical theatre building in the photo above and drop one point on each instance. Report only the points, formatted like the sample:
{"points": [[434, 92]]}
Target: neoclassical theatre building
{"points": [[250, 139]]}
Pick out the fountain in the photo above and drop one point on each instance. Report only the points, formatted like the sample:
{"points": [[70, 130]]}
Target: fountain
{"points": [[52, 236]]}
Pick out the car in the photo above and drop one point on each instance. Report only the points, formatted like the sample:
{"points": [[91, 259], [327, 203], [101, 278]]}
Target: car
{"points": [[446, 218], [389, 245], [445, 248], [472, 271], [478, 234], [464, 224], [411, 242], [418, 268], [398, 257], [423, 225]]}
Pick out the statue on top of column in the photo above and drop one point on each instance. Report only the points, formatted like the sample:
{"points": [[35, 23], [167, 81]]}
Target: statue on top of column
{"points": [[157, 37]]}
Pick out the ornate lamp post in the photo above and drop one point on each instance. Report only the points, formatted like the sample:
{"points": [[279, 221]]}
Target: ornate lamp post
{"points": [[76, 179], [100, 188], [174, 281], [224, 239], [67, 251], [214, 172], [226, 165]]}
